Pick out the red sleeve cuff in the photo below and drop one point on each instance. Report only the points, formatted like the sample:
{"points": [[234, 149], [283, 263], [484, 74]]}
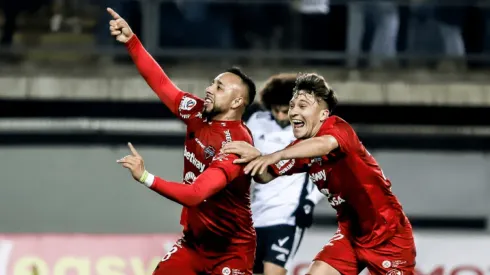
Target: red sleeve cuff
{"points": [[132, 42]]}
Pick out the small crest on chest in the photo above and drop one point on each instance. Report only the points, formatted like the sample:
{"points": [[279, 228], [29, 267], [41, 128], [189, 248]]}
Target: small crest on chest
{"points": [[209, 152]]}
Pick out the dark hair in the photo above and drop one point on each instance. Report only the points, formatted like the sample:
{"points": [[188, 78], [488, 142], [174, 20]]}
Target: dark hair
{"points": [[247, 81], [278, 90], [316, 85]]}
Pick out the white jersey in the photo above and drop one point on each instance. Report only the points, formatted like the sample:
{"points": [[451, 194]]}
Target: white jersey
{"points": [[275, 202]]}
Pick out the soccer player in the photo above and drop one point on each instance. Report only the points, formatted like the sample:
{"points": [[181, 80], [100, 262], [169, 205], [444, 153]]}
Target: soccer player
{"points": [[373, 230], [282, 209], [219, 237]]}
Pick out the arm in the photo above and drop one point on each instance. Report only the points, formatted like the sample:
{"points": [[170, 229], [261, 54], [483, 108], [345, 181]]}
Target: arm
{"points": [[207, 184], [153, 74], [309, 148]]}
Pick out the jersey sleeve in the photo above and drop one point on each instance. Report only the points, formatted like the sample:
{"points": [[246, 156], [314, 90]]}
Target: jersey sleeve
{"points": [[290, 166], [189, 108], [182, 104], [225, 163]]}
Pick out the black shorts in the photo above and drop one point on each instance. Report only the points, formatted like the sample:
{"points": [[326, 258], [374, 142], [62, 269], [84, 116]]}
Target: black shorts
{"points": [[276, 244]]}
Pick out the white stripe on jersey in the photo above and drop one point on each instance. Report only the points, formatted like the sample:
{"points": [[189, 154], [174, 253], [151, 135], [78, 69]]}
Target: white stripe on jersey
{"points": [[274, 203]]}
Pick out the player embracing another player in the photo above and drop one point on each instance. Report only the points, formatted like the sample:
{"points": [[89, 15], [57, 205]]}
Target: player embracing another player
{"points": [[373, 231]]}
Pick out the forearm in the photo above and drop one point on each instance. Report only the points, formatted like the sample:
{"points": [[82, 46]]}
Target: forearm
{"points": [[153, 74], [206, 185], [309, 148]]}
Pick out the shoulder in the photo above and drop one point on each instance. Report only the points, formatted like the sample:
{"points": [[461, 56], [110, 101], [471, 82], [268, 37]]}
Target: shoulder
{"points": [[230, 133], [188, 102], [334, 123]]}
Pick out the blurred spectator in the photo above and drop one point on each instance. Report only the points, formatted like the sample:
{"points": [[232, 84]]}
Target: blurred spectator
{"points": [[423, 34], [450, 18], [314, 27], [385, 22], [486, 19], [66, 12]]}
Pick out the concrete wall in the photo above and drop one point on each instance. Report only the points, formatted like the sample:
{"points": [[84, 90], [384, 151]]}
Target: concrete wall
{"points": [[131, 86]]}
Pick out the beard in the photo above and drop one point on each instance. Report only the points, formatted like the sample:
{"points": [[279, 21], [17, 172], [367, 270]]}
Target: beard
{"points": [[211, 113]]}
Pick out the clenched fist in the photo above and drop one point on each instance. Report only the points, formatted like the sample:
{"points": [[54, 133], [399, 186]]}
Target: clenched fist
{"points": [[119, 27]]}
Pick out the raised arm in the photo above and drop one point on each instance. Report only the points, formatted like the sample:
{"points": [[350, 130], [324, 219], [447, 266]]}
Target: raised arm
{"points": [[153, 74]]}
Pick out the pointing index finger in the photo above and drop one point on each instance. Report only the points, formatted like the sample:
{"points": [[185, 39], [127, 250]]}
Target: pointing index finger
{"points": [[114, 14], [133, 150]]}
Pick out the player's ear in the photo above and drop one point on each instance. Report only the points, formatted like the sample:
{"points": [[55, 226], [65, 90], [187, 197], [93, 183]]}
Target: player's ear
{"points": [[237, 102], [324, 115]]}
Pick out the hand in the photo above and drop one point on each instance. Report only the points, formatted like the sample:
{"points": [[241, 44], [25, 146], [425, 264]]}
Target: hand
{"points": [[304, 214], [259, 165], [119, 27], [134, 163], [243, 149]]}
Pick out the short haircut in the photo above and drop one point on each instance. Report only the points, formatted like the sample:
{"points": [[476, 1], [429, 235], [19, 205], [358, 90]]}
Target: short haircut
{"points": [[249, 83], [316, 85], [278, 90]]}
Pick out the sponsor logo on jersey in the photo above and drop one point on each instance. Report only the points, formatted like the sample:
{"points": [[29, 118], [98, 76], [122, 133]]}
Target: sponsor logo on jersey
{"points": [[200, 143], [318, 176], [190, 177], [209, 152], [280, 165], [333, 200], [191, 157], [227, 138], [221, 157], [187, 103], [394, 272], [318, 160], [226, 271]]}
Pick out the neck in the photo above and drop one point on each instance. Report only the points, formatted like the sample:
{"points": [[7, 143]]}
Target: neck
{"points": [[228, 116], [316, 129]]}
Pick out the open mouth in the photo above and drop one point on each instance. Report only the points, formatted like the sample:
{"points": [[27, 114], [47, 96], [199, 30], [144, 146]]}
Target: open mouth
{"points": [[208, 100], [297, 123]]}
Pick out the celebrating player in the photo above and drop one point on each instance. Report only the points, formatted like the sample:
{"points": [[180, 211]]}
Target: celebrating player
{"points": [[373, 229], [283, 208], [219, 237]]}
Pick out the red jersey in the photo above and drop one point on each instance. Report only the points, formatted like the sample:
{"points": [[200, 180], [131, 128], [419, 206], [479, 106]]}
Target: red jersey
{"points": [[224, 217], [354, 185], [227, 213]]}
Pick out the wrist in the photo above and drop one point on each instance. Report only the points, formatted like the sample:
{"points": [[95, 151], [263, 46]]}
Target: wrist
{"points": [[280, 155], [147, 179]]}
